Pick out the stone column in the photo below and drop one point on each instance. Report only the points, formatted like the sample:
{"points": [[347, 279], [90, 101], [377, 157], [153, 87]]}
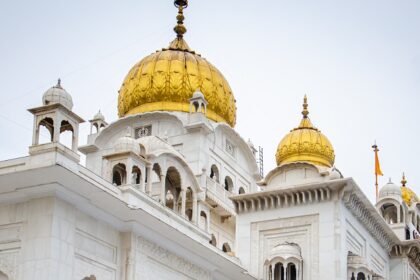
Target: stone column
{"points": [[195, 208], [208, 221], [149, 180], [35, 133], [56, 129], [162, 189], [75, 138], [142, 180], [285, 271], [272, 271], [128, 172], [183, 202]]}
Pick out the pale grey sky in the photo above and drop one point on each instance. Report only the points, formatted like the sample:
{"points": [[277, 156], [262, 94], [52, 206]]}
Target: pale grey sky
{"points": [[358, 61]]}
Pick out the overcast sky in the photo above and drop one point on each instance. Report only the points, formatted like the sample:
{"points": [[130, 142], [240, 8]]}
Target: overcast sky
{"points": [[358, 61]]}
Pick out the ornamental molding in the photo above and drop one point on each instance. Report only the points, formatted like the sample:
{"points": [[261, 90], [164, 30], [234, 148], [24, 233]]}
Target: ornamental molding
{"points": [[370, 219], [9, 264], [171, 260], [305, 148], [411, 250], [280, 198]]}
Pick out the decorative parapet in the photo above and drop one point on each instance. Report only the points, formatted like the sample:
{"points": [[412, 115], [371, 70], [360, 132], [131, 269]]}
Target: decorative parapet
{"points": [[279, 198], [218, 195], [409, 249]]}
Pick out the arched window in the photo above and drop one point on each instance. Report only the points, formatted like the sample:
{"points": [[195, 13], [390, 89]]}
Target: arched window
{"points": [[418, 224], [95, 125], [389, 212], [361, 276], [3, 276], [66, 134], [241, 190], [285, 263], [135, 175], [157, 171], [196, 106], [45, 130], [203, 220], [226, 248], [214, 173], [119, 174], [213, 240], [228, 184], [188, 214], [173, 185], [291, 271]]}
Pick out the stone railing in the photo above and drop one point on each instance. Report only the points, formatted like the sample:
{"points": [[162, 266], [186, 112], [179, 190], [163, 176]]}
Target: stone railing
{"points": [[217, 193]]}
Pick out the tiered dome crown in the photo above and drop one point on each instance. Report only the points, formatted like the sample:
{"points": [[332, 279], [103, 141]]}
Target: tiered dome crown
{"points": [[390, 189], [305, 144], [167, 79], [57, 94]]}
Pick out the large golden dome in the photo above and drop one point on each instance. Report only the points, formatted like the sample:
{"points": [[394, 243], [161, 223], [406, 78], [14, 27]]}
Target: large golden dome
{"points": [[305, 144], [408, 195], [167, 79]]}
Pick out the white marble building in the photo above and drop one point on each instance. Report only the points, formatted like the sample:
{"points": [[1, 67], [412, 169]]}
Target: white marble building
{"points": [[171, 191]]}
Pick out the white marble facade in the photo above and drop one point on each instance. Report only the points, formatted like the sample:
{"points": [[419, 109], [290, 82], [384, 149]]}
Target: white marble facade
{"points": [[175, 195]]}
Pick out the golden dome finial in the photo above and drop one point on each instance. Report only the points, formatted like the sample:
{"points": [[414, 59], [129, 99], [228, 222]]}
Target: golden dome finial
{"points": [[179, 28], [305, 111], [305, 144], [408, 195], [404, 180]]}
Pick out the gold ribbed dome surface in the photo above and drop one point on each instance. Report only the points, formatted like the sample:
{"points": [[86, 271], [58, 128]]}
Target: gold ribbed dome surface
{"points": [[408, 195], [167, 79], [305, 144]]}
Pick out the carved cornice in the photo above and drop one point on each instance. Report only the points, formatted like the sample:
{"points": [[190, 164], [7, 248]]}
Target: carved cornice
{"points": [[370, 218], [280, 198]]}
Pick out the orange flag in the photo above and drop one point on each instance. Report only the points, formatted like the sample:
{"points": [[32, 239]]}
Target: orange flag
{"points": [[378, 170]]}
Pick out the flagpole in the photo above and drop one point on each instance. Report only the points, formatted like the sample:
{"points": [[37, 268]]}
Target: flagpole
{"points": [[375, 150]]}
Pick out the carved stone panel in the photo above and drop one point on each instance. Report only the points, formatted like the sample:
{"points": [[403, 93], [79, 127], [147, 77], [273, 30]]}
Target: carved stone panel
{"points": [[156, 262]]}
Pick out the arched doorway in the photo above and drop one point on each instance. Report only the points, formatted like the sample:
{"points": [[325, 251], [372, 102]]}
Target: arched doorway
{"points": [[173, 188], [119, 174]]}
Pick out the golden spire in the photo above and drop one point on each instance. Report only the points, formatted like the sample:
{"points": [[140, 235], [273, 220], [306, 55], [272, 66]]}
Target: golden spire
{"points": [[404, 180], [305, 111], [179, 43], [305, 122], [179, 28]]}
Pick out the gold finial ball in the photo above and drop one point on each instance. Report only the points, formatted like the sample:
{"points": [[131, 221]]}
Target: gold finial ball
{"points": [[181, 3], [180, 29]]}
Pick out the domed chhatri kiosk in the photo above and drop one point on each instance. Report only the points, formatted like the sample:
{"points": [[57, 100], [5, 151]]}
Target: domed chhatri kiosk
{"points": [[170, 190]]}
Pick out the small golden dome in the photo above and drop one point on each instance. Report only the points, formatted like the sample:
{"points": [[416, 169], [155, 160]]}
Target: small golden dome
{"points": [[408, 195], [305, 144], [167, 79]]}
